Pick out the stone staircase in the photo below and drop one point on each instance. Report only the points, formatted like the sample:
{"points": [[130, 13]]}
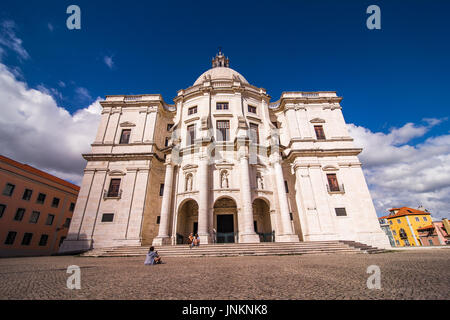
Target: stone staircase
{"points": [[234, 249], [363, 247]]}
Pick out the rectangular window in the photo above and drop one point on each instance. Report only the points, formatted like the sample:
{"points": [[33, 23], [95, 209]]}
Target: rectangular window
{"points": [[254, 133], [394, 232], [61, 241], [158, 219], [19, 214], [286, 186], [43, 240], [125, 137], [169, 126], [8, 190], [50, 219], [27, 194], [222, 106], [430, 242], [192, 110], [161, 189], [190, 135], [166, 142], [397, 242], [10, 237], [55, 203], [399, 221], [67, 223], [332, 182], [390, 222], [223, 130], [72, 207], [417, 219], [251, 109], [319, 132], [41, 198], [108, 217], [340, 212], [424, 218], [34, 217], [2, 209], [114, 188], [292, 216], [27, 239]]}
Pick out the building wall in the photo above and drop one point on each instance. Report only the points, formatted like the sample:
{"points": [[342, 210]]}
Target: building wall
{"points": [[410, 225], [24, 177], [305, 160]]}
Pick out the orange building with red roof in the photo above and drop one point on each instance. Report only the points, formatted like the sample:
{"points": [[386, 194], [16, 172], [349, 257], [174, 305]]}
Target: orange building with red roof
{"points": [[404, 223], [35, 210]]}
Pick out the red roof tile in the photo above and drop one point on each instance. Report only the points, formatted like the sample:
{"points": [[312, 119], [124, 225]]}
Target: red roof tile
{"points": [[404, 211], [38, 172]]}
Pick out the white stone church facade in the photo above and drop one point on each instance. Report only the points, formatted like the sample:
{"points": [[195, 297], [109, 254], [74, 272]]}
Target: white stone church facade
{"points": [[225, 162]]}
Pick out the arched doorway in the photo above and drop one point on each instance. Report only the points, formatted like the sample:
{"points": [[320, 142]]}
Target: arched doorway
{"points": [[225, 220], [262, 223], [187, 221]]}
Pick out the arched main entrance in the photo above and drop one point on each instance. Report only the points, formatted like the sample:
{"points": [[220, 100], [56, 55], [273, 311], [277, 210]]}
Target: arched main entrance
{"points": [[187, 221], [262, 222], [225, 220]]}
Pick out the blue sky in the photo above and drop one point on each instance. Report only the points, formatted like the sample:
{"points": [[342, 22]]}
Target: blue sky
{"points": [[389, 78]]}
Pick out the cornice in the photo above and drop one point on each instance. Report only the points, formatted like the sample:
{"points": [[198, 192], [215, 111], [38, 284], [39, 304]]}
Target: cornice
{"points": [[322, 152]]}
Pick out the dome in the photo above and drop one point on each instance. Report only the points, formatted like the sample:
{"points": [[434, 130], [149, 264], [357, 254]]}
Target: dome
{"points": [[220, 73]]}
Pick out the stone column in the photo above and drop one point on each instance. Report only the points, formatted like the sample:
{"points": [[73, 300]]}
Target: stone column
{"points": [[203, 200], [288, 234], [247, 235], [163, 234]]}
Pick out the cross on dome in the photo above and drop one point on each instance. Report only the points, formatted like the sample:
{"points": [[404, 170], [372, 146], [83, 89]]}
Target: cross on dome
{"points": [[220, 60]]}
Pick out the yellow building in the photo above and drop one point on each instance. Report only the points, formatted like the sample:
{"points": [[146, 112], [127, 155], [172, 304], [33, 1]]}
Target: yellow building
{"points": [[404, 223]]}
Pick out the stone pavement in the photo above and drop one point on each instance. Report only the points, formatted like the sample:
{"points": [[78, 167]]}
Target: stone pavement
{"points": [[404, 275]]}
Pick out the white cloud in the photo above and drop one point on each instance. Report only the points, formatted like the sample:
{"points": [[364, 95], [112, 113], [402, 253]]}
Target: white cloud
{"points": [[109, 61], [400, 173], [9, 39], [36, 131]]}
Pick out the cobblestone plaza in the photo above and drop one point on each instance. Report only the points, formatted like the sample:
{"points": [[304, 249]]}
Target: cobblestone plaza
{"points": [[404, 275]]}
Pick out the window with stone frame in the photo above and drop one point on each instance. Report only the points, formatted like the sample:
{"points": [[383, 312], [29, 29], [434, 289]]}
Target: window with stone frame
{"points": [[27, 239], [192, 110], [2, 209], [223, 130], [320, 134], [251, 109], [254, 133], [8, 190], [190, 135], [114, 188], [108, 217], [161, 189], [19, 214], [340, 212], [169, 126], [55, 202], [27, 194], [222, 106], [50, 219], [72, 207], [41, 198], [34, 217], [333, 182], [10, 237], [67, 223], [43, 241], [125, 136]]}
